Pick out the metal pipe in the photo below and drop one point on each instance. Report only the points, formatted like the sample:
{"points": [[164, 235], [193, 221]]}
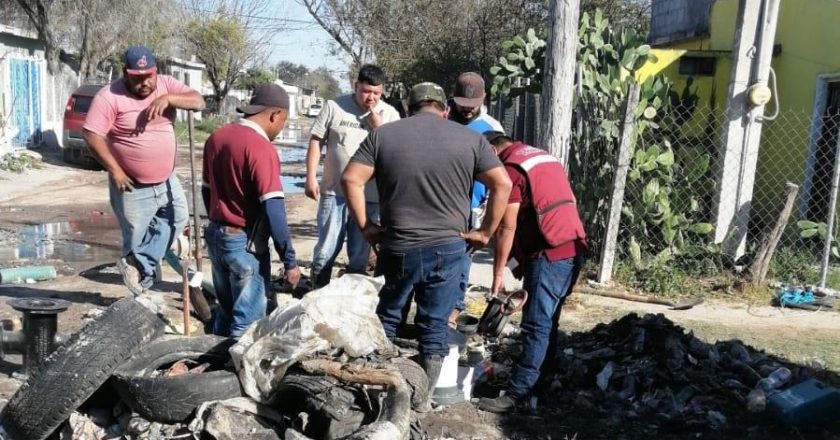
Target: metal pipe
{"points": [[21, 274], [14, 341], [40, 326], [832, 211]]}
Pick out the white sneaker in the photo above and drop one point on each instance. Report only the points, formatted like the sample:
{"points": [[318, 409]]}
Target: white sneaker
{"points": [[131, 276]]}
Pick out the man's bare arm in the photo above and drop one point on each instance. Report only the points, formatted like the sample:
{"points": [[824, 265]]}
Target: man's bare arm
{"points": [[353, 181], [498, 184], [99, 147], [313, 157], [504, 243], [191, 100]]}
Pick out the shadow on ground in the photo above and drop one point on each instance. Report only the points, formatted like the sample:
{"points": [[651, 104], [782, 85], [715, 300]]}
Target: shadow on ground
{"points": [[74, 296]]}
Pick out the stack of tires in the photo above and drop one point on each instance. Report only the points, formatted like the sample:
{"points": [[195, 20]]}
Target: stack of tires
{"points": [[127, 346]]}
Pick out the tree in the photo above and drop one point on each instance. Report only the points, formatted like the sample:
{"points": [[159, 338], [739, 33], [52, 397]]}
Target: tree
{"points": [[634, 14], [42, 14], [222, 45], [559, 87], [343, 20], [228, 35], [254, 77], [324, 83], [85, 33], [290, 72], [420, 40], [107, 27]]}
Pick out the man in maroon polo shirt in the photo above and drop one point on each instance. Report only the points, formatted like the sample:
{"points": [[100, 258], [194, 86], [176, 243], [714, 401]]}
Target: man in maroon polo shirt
{"points": [[245, 202], [541, 235]]}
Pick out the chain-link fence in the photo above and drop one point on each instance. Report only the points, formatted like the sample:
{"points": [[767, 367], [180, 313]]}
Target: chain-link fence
{"points": [[699, 204]]}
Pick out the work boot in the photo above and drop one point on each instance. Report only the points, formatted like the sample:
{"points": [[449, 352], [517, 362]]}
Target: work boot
{"points": [[431, 365], [499, 405]]}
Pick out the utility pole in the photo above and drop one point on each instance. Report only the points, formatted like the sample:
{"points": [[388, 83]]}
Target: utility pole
{"points": [[755, 33], [559, 83]]}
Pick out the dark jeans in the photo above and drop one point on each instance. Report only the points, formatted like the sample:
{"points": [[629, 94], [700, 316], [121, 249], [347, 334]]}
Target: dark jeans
{"points": [[433, 273], [461, 304], [548, 283], [241, 280]]}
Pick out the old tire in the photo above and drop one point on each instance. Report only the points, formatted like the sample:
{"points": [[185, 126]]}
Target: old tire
{"points": [[78, 368], [332, 407], [174, 398], [416, 377]]}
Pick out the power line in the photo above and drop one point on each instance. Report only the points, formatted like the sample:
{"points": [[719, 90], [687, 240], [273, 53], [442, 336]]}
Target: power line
{"points": [[261, 17]]}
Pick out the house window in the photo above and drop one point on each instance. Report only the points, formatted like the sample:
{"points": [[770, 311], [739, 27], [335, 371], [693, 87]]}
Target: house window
{"points": [[697, 66]]}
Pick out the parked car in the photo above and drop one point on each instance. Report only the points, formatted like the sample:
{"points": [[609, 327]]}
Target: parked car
{"points": [[314, 110], [74, 148]]}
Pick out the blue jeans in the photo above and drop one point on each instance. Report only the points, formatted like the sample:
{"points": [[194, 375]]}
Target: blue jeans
{"points": [[434, 275], [150, 218], [461, 304], [334, 224], [548, 283], [241, 280]]}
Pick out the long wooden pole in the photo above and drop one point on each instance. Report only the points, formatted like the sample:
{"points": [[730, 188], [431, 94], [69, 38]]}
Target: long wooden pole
{"points": [[625, 153], [194, 244], [761, 263], [559, 84]]}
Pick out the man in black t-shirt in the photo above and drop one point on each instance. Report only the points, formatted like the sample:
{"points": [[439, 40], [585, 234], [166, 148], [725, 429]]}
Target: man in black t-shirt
{"points": [[424, 167]]}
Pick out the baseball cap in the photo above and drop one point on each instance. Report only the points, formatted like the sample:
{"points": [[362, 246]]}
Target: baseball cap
{"points": [[494, 135], [265, 96], [426, 91], [139, 60], [469, 90]]}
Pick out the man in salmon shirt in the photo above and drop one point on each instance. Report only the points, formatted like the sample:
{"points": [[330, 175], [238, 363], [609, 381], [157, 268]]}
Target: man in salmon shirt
{"points": [[130, 131]]}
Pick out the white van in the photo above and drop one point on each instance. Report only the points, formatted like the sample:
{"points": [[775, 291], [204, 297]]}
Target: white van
{"points": [[314, 110]]}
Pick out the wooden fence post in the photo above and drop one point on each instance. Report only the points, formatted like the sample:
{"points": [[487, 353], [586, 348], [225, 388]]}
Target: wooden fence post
{"points": [[625, 153], [761, 263]]}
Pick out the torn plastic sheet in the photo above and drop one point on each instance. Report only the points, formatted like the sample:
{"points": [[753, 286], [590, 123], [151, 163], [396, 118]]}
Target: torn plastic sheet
{"points": [[341, 315]]}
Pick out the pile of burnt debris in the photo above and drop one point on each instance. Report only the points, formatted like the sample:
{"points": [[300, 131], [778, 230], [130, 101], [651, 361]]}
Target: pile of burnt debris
{"points": [[645, 376], [321, 368]]}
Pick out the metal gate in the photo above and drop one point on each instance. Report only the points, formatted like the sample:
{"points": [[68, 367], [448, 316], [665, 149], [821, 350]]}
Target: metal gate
{"points": [[26, 102]]}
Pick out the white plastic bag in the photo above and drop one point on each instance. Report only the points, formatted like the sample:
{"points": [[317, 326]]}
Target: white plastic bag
{"points": [[341, 315]]}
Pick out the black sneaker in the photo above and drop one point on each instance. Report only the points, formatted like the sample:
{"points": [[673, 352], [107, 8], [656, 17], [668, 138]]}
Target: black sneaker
{"points": [[498, 405]]}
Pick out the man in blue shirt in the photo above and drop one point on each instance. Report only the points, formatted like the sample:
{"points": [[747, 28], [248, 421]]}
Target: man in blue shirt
{"points": [[467, 107]]}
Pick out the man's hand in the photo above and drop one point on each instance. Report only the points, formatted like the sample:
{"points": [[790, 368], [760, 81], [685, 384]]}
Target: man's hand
{"points": [[312, 189], [476, 239], [122, 181], [157, 107], [374, 118], [498, 285], [371, 232], [293, 276]]}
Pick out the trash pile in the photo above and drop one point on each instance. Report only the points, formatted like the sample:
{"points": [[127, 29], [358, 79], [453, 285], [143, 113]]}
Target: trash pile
{"points": [[652, 372], [319, 368]]}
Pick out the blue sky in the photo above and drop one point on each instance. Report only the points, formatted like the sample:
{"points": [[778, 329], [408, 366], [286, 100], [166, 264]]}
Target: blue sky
{"points": [[307, 44]]}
